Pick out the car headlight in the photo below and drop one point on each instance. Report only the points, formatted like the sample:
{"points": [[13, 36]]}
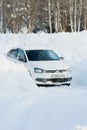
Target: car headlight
{"points": [[69, 70], [38, 70]]}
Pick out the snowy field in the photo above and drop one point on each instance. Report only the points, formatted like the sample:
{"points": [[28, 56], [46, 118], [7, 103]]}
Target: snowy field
{"points": [[24, 106]]}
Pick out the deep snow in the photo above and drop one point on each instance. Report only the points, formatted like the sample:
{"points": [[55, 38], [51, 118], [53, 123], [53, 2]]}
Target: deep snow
{"points": [[24, 106]]}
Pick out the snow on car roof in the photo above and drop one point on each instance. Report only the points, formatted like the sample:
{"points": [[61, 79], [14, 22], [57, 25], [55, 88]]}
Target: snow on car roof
{"points": [[29, 48]]}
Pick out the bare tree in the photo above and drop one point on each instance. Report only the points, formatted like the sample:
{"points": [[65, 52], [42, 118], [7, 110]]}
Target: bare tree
{"points": [[49, 11], [79, 15], [53, 15], [1, 16], [75, 16], [84, 15], [4, 16], [57, 16], [71, 15]]}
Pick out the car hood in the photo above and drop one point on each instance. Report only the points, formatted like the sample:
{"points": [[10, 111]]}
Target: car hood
{"points": [[48, 65]]}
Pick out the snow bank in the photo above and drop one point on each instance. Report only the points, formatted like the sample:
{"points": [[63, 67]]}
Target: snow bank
{"points": [[15, 79], [18, 93], [72, 46], [24, 106], [80, 127]]}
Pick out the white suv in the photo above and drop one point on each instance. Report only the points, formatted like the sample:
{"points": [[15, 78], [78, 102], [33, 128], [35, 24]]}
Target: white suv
{"points": [[45, 66]]}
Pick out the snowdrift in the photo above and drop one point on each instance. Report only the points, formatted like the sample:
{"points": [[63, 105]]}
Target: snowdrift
{"points": [[24, 106]]}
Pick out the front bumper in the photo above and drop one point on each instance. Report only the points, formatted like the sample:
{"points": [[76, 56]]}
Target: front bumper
{"points": [[52, 82], [58, 78]]}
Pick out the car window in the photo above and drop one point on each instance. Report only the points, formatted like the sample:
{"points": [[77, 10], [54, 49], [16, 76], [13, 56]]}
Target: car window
{"points": [[13, 53], [41, 55], [21, 55], [51, 54]]}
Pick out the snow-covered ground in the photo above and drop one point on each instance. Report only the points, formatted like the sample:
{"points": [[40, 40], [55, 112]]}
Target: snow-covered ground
{"points": [[24, 106]]}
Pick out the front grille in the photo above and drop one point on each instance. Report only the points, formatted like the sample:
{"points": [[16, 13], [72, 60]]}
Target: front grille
{"points": [[54, 71], [62, 71], [60, 80], [50, 71]]}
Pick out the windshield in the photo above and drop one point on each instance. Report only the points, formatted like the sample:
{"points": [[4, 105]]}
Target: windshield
{"points": [[41, 55]]}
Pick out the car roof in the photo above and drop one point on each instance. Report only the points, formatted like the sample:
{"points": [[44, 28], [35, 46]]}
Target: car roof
{"points": [[27, 48], [34, 48]]}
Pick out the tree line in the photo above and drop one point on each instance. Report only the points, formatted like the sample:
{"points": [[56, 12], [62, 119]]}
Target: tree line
{"points": [[19, 16]]}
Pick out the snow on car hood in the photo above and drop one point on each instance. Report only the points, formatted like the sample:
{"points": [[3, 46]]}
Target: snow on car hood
{"points": [[48, 65]]}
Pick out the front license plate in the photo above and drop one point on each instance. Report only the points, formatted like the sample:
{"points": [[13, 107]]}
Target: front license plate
{"points": [[58, 76]]}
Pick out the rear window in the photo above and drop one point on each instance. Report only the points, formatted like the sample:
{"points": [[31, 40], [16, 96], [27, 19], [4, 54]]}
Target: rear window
{"points": [[13, 53]]}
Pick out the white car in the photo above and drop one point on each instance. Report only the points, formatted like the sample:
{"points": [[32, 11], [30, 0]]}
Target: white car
{"points": [[45, 66]]}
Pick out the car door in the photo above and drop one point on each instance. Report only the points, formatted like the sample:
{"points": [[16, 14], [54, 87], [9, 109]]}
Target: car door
{"points": [[21, 56]]}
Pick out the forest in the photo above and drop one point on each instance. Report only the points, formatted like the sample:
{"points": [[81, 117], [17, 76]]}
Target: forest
{"points": [[49, 16]]}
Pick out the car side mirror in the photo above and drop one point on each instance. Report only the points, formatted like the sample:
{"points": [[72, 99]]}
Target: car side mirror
{"points": [[21, 59], [61, 58]]}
